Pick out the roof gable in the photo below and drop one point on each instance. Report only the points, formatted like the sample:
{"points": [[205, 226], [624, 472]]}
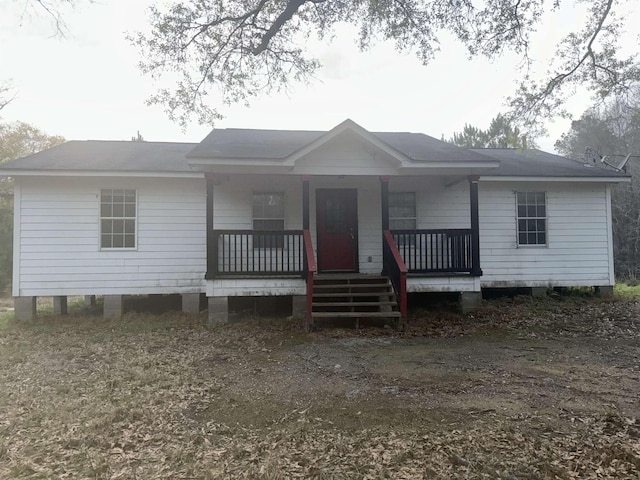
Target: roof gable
{"points": [[356, 132]]}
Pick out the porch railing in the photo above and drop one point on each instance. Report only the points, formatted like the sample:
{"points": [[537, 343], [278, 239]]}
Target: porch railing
{"points": [[436, 251], [395, 269], [255, 253]]}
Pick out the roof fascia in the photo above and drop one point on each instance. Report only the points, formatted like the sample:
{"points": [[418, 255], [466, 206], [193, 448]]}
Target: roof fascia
{"points": [[93, 173], [489, 178], [348, 125]]}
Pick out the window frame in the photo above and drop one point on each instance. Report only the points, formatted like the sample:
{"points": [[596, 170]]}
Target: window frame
{"points": [[256, 244], [123, 217], [415, 206], [545, 218]]}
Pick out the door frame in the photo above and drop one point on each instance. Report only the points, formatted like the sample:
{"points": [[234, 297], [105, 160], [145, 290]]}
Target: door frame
{"points": [[355, 242]]}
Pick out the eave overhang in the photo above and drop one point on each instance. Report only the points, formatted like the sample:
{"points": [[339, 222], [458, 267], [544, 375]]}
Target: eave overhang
{"points": [[497, 178], [7, 172]]}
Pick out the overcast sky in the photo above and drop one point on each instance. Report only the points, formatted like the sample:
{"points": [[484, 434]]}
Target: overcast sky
{"points": [[87, 85]]}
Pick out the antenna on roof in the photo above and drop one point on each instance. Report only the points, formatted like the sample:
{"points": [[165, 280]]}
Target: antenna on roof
{"points": [[592, 155], [619, 167]]}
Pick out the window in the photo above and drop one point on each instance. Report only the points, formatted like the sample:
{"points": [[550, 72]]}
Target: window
{"points": [[532, 218], [268, 214], [402, 211], [402, 216], [117, 218]]}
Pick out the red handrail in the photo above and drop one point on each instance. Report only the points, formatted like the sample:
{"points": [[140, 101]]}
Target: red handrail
{"points": [[402, 268], [311, 270]]}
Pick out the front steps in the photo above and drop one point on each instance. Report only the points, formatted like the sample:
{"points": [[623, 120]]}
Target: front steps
{"points": [[353, 296]]}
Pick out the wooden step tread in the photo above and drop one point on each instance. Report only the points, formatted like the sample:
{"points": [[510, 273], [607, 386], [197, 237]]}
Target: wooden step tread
{"points": [[348, 276], [354, 294], [351, 304], [352, 285], [356, 314]]}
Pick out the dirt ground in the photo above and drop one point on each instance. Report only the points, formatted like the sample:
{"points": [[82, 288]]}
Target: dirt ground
{"points": [[523, 389]]}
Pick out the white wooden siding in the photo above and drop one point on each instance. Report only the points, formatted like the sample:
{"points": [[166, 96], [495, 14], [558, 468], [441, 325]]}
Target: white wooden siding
{"points": [[58, 247], [577, 252], [247, 287]]}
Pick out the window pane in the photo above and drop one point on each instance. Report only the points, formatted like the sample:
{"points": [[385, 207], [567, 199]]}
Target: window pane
{"points": [[106, 196], [129, 226], [118, 196], [402, 224], [106, 241], [106, 226], [268, 205], [268, 224], [129, 241], [542, 239], [531, 210], [540, 225], [118, 210], [130, 210], [106, 210], [522, 238], [531, 238], [335, 216], [118, 241], [130, 196]]}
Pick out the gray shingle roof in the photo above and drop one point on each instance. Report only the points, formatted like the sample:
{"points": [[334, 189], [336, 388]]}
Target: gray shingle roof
{"points": [[279, 144], [96, 155], [104, 156], [536, 163]]}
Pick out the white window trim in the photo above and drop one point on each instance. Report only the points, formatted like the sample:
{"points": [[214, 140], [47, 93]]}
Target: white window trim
{"points": [[100, 218], [545, 218]]}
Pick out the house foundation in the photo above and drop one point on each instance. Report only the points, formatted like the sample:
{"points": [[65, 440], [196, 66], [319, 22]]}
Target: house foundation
{"points": [[60, 305], [89, 300], [190, 303], [469, 301], [218, 310], [112, 306], [298, 306], [24, 308], [605, 291], [538, 292]]}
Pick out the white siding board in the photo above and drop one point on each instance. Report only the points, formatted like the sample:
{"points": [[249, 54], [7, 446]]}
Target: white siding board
{"points": [[255, 287], [576, 253], [60, 251], [441, 284]]}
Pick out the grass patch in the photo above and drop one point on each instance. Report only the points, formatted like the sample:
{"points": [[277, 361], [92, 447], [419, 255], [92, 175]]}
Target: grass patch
{"points": [[627, 291]]}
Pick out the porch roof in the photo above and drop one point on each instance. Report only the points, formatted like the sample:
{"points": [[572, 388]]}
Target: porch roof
{"points": [[254, 144]]}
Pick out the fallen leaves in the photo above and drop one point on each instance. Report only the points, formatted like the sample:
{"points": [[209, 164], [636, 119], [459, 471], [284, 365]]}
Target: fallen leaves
{"points": [[163, 397]]}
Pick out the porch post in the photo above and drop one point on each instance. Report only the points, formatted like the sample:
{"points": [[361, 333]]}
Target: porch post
{"points": [[475, 227], [384, 214], [384, 196], [305, 201], [212, 250]]}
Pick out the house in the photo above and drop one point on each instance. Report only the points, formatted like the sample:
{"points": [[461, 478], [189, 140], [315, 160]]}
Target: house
{"points": [[346, 222]]}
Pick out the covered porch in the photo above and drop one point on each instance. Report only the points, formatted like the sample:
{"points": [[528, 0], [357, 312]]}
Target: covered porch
{"points": [[343, 226]]}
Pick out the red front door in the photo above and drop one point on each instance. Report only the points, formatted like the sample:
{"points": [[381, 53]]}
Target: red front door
{"points": [[337, 222]]}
